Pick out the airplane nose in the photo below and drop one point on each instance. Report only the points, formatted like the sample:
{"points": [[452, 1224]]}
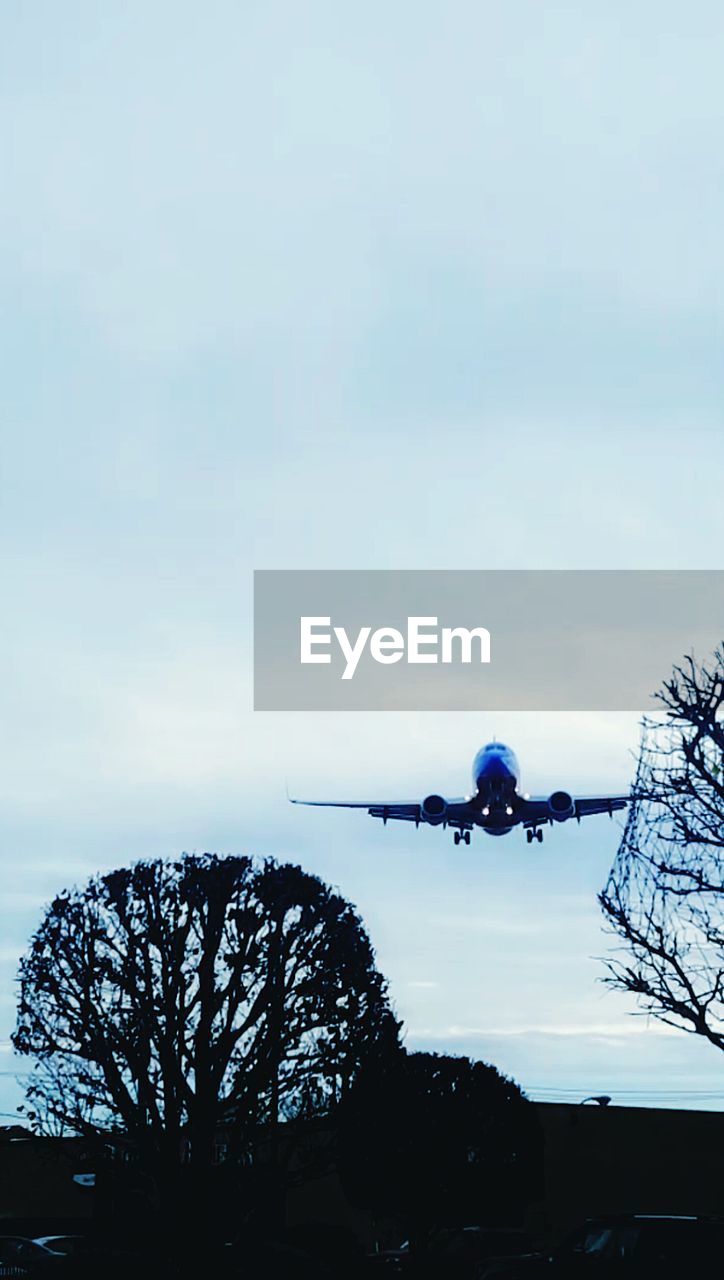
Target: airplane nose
{"points": [[495, 775], [495, 768]]}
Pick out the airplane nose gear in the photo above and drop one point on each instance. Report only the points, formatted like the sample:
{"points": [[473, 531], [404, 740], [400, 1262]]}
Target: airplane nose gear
{"points": [[534, 833], [463, 836]]}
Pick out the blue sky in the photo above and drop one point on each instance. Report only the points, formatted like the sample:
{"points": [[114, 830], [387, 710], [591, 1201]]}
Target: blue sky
{"points": [[401, 286]]}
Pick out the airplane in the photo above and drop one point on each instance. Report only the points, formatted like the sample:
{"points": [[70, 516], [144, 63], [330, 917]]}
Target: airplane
{"points": [[496, 805]]}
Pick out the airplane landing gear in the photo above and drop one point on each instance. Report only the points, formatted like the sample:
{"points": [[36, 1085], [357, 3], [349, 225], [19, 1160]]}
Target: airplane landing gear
{"points": [[534, 833], [463, 836]]}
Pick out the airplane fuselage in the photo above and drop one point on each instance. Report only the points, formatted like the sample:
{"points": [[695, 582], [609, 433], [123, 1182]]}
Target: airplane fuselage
{"points": [[496, 775]]}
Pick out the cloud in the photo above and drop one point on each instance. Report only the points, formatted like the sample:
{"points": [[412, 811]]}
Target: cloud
{"points": [[590, 1031]]}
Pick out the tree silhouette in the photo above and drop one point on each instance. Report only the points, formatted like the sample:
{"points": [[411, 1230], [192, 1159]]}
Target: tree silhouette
{"points": [[438, 1140], [172, 1001], [665, 894]]}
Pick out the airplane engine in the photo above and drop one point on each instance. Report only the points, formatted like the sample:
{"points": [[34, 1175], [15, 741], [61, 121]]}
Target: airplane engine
{"points": [[434, 809], [560, 806]]}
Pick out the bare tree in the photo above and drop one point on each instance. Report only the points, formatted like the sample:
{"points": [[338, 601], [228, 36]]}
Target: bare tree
{"points": [[171, 1000], [665, 894]]}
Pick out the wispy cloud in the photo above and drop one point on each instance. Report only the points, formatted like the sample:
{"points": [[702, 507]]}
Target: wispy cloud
{"points": [[591, 1031]]}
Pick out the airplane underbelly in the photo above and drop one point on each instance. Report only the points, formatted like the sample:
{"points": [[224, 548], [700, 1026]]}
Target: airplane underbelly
{"points": [[496, 780]]}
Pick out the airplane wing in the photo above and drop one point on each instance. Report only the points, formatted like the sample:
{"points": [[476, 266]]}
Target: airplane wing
{"points": [[458, 813], [535, 810], [586, 805]]}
